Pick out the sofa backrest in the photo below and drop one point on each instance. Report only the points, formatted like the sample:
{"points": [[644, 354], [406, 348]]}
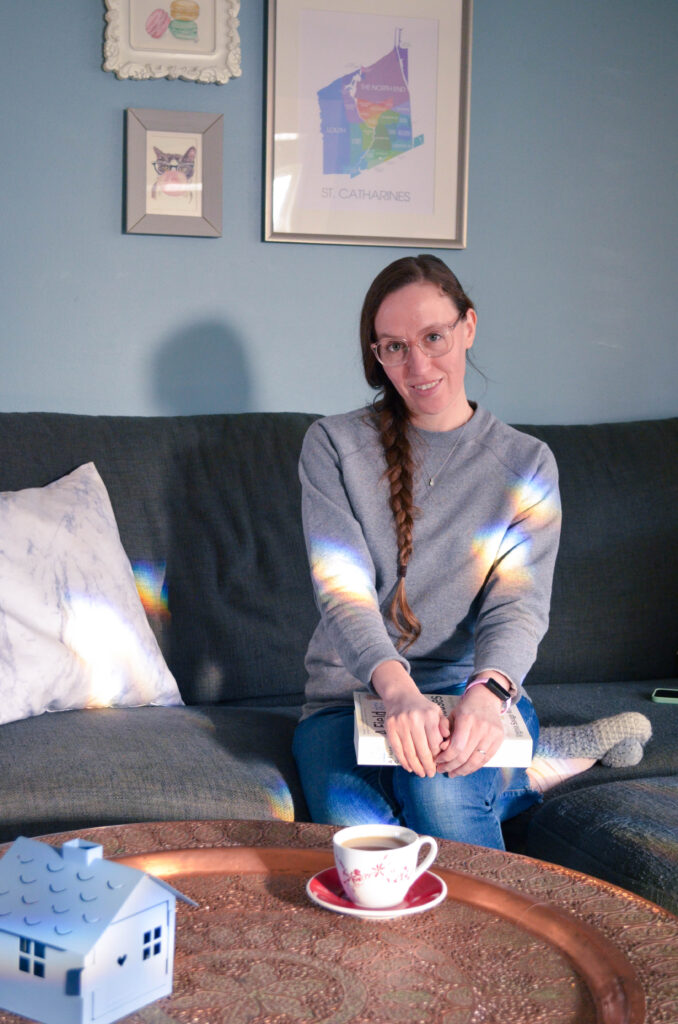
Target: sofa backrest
{"points": [[217, 499], [614, 610]]}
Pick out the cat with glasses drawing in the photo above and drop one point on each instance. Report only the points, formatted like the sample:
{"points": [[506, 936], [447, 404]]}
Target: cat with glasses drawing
{"points": [[175, 172]]}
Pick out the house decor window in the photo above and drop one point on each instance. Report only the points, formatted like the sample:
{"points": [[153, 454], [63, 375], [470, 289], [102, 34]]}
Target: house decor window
{"points": [[152, 943], [32, 957]]}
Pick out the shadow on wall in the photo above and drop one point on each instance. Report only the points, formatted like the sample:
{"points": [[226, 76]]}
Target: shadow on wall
{"points": [[202, 369]]}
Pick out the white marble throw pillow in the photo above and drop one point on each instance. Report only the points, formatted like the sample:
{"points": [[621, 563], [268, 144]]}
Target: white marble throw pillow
{"points": [[73, 632]]}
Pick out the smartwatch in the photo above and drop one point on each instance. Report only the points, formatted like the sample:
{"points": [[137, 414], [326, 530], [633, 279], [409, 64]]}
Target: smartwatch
{"points": [[499, 691]]}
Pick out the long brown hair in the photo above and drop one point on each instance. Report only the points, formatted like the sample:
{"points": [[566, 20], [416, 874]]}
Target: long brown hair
{"points": [[392, 415]]}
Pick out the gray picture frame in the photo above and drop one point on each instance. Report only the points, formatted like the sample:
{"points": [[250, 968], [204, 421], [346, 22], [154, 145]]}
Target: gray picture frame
{"points": [[388, 205], [209, 131]]}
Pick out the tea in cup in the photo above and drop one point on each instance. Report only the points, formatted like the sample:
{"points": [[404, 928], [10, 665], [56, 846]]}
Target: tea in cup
{"points": [[377, 864]]}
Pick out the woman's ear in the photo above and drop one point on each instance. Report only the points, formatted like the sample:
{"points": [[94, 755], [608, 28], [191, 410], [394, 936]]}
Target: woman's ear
{"points": [[469, 324]]}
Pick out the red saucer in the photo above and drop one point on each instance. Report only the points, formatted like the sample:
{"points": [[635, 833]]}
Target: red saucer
{"points": [[326, 890]]}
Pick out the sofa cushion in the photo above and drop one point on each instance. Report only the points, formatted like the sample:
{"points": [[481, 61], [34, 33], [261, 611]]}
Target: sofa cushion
{"points": [[622, 832], [81, 768], [73, 633]]}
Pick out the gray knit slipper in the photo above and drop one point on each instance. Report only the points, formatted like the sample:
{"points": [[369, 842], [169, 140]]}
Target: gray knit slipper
{"points": [[623, 754], [616, 741]]}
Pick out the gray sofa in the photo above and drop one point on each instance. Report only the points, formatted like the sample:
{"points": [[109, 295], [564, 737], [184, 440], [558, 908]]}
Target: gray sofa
{"points": [[216, 498]]}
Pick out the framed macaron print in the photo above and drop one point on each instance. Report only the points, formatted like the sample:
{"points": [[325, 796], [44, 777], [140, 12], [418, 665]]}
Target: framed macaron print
{"points": [[196, 40], [174, 173]]}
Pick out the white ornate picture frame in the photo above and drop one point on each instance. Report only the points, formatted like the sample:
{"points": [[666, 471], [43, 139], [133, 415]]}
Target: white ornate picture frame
{"points": [[196, 40]]}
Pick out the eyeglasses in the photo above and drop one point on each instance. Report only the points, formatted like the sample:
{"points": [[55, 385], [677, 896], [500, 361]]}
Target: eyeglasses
{"points": [[163, 166], [434, 341]]}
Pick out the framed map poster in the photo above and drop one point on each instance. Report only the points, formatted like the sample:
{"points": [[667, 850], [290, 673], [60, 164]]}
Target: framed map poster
{"points": [[368, 122]]}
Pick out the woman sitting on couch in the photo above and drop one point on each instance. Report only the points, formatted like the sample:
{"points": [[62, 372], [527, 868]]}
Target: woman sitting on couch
{"points": [[432, 530]]}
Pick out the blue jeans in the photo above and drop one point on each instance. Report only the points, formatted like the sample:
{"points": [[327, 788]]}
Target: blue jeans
{"points": [[468, 808]]}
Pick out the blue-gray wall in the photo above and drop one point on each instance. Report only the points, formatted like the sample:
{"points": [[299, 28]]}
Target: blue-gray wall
{"points": [[571, 256]]}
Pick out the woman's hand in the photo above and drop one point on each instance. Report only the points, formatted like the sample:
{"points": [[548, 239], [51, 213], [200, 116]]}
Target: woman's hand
{"points": [[416, 728], [477, 733]]}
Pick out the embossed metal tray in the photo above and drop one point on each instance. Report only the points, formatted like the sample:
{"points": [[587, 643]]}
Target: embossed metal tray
{"points": [[481, 926]]}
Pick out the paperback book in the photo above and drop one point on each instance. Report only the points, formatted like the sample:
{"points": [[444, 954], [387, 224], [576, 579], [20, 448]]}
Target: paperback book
{"points": [[372, 747]]}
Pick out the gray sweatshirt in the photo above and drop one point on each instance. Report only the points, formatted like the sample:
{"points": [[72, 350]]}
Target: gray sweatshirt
{"points": [[484, 547]]}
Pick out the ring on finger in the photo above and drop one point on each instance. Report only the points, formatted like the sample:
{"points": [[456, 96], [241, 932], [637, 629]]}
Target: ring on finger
{"points": [[479, 751]]}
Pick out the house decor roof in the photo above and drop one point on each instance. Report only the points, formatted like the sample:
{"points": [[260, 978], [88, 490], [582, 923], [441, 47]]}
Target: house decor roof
{"points": [[66, 897]]}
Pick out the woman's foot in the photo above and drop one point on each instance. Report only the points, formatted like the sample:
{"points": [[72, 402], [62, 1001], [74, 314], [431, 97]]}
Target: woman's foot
{"points": [[564, 751]]}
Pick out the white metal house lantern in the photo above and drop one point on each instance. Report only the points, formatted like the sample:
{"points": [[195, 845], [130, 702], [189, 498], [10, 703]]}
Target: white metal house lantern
{"points": [[82, 939]]}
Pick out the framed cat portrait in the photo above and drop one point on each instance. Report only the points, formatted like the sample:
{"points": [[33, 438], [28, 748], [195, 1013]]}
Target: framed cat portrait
{"points": [[196, 41], [174, 173]]}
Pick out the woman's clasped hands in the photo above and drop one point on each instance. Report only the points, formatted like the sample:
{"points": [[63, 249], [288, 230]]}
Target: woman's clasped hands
{"points": [[476, 733], [422, 738]]}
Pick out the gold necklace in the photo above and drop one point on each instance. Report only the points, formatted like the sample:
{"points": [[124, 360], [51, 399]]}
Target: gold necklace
{"points": [[434, 476]]}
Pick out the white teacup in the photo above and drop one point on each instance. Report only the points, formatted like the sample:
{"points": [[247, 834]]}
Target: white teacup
{"points": [[377, 864]]}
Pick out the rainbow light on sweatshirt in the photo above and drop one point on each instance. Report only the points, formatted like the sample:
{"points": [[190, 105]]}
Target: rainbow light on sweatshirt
{"points": [[339, 576], [531, 497], [506, 548], [506, 553]]}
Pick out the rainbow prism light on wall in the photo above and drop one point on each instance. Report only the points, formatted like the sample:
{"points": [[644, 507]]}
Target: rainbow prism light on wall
{"points": [[82, 939]]}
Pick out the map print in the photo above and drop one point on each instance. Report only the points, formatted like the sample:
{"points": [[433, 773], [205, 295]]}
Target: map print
{"points": [[366, 117]]}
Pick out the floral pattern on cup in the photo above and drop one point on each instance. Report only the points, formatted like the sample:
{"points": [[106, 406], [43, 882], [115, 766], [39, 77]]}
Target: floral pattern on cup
{"points": [[379, 870]]}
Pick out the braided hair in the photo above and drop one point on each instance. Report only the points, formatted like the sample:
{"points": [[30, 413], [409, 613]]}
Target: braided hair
{"points": [[391, 416]]}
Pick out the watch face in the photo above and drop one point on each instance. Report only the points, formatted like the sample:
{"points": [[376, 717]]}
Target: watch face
{"points": [[497, 688]]}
